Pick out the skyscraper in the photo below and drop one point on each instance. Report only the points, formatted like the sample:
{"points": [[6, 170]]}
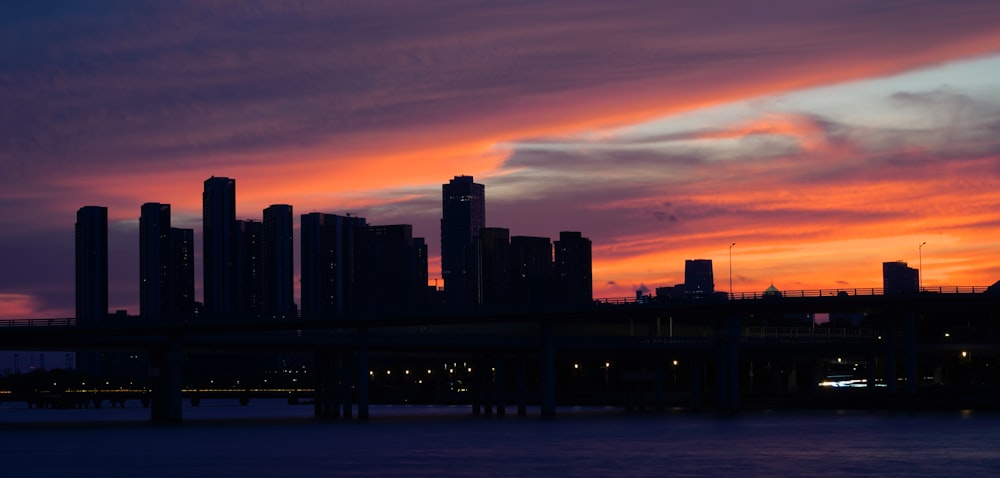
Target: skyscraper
{"points": [[182, 273], [219, 244], [279, 302], [155, 302], [463, 216], [249, 267], [493, 264], [91, 264], [531, 269], [385, 268], [699, 281], [899, 278], [327, 270], [573, 267]]}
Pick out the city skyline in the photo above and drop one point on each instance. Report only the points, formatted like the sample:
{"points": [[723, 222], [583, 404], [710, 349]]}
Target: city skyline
{"points": [[823, 140]]}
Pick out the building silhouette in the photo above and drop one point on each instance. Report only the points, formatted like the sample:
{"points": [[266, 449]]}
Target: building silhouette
{"points": [[181, 288], [493, 264], [898, 278], [154, 262], [699, 281], [573, 267], [463, 216], [219, 248], [249, 270], [279, 269], [91, 264], [531, 268], [91, 280], [327, 268], [386, 273]]}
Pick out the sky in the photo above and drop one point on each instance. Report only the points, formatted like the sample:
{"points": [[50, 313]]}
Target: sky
{"points": [[822, 138]]}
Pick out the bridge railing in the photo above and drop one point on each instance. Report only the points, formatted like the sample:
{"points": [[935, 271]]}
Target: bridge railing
{"points": [[37, 322], [755, 295], [805, 331]]}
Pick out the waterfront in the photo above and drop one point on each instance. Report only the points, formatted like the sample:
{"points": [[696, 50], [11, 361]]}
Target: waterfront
{"points": [[269, 438]]}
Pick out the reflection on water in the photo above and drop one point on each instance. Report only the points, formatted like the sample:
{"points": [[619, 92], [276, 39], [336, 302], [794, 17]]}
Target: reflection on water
{"points": [[270, 438]]}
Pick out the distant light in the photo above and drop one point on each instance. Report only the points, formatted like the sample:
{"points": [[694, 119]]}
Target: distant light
{"points": [[428, 371], [965, 354], [607, 364], [576, 365], [407, 372], [388, 372], [946, 334], [470, 369]]}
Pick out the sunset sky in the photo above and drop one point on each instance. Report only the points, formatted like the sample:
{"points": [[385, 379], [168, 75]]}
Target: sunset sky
{"points": [[823, 138]]}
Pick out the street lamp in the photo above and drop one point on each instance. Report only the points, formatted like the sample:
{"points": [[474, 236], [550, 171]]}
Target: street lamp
{"points": [[920, 266], [731, 270]]}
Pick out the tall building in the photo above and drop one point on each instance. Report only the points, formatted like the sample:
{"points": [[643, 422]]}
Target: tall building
{"points": [[899, 279], [531, 269], [699, 281], [385, 269], [219, 244], [92, 281], [327, 269], [463, 216], [249, 267], [279, 269], [155, 302], [423, 292], [182, 273], [493, 265], [91, 264], [573, 267]]}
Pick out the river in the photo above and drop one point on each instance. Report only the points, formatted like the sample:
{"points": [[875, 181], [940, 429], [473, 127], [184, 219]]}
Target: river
{"points": [[271, 438]]}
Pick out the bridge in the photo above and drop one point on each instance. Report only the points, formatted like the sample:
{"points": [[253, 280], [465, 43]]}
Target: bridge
{"points": [[720, 347]]}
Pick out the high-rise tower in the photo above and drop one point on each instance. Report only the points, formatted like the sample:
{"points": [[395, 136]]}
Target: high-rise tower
{"points": [[279, 302], [573, 267], [182, 273], [154, 262], [219, 244], [327, 264], [91, 264], [463, 216], [699, 281]]}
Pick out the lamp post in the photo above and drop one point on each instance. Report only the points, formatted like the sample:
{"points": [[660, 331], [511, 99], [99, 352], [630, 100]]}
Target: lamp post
{"points": [[920, 266], [731, 270]]}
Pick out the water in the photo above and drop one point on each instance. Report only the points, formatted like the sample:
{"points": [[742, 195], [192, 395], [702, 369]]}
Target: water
{"points": [[270, 438]]}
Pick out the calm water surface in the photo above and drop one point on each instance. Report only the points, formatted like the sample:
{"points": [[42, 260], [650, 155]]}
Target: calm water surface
{"points": [[274, 439]]}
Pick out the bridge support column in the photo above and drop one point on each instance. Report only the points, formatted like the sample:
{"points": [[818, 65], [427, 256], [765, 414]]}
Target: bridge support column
{"points": [[910, 352], [477, 385], [522, 387], [500, 388], [347, 366], [489, 388], [363, 373], [697, 383], [326, 404], [166, 370], [547, 370], [659, 394], [890, 359], [728, 369]]}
